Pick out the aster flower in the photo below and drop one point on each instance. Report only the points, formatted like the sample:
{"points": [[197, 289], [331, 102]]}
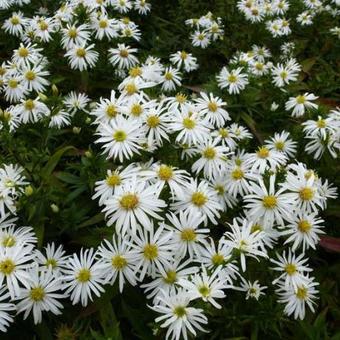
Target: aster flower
{"points": [[82, 57], [123, 57], [83, 276], [133, 203], [52, 258], [252, 289], [233, 80], [300, 103], [282, 143], [171, 78], [178, 316], [5, 309]]}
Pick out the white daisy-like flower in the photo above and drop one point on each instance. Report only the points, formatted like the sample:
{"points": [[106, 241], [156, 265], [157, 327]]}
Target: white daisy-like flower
{"points": [[282, 143], [118, 262], [187, 236], [121, 138], [303, 229], [82, 57], [5, 309], [234, 80], [76, 102], [300, 103], [41, 295], [247, 242], [182, 58], [31, 110], [274, 206], [12, 236], [83, 276], [292, 269], [123, 57], [171, 78], [133, 203], [152, 251], [73, 35], [198, 198], [296, 299], [52, 258], [178, 316], [284, 74], [200, 39], [252, 289]]}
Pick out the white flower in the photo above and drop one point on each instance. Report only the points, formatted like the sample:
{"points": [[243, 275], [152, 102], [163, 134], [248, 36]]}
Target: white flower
{"points": [[83, 276], [178, 316], [233, 80], [212, 159], [53, 258], [292, 269], [282, 143], [253, 289], [74, 35], [274, 206], [170, 79], [321, 127], [76, 101], [247, 242], [31, 110], [264, 159], [284, 74], [211, 108], [198, 198], [296, 299], [134, 202], [104, 27], [41, 295], [13, 264], [303, 229], [118, 262], [152, 251], [82, 57], [182, 58], [186, 234], [300, 103], [12, 236], [204, 286], [200, 39], [121, 137], [5, 308], [123, 57]]}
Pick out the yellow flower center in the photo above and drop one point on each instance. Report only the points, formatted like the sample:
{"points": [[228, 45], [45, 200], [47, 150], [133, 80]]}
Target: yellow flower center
{"points": [[72, 33], [43, 25], [321, 123], [209, 153], [290, 269], [111, 110], [168, 76], [130, 89], [237, 174], [301, 293], [81, 52], [135, 72], [7, 266], [256, 227], [262, 152], [171, 277], [189, 123], [269, 202], [300, 99], [29, 105], [304, 226], [30, 75], [150, 251], [181, 98], [198, 199], [217, 259], [232, 78], [119, 136], [188, 235], [212, 106], [12, 83], [129, 201], [259, 66], [84, 275], [118, 262], [113, 180], [204, 290], [184, 55], [201, 36], [180, 311], [306, 194], [23, 52], [223, 133], [283, 74], [136, 110], [37, 294], [103, 23], [51, 262], [279, 145], [220, 189], [165, 172], [8, 241], [124, 53], [15, 20], [153, 121]]}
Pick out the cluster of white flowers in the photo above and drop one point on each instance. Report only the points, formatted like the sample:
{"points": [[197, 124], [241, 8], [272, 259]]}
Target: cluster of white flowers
{"points": [[274, 13], [161, 214], [205, 30], [254, 64]]}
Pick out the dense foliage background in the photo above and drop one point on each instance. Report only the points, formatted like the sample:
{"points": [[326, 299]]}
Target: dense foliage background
{"points": [[62, 167]]}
